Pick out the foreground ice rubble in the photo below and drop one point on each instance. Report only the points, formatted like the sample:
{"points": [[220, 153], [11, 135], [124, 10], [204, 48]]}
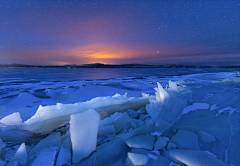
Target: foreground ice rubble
{"points": [[123, 131]]}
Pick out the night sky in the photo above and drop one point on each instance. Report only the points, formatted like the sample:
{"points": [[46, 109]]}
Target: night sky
{"points": [[189, 32]]}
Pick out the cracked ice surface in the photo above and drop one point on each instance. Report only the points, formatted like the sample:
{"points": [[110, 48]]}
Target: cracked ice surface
{"points": [[204, 105]]}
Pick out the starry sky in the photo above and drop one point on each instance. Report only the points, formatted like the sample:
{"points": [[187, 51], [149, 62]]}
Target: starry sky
{"points": [[188, 32]]}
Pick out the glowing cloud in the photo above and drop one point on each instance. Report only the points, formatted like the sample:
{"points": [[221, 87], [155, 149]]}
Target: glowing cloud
{"points": [[93, 53]]}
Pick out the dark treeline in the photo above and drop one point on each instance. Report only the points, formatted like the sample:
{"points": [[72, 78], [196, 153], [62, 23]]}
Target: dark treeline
{"points": [[100, 65]]}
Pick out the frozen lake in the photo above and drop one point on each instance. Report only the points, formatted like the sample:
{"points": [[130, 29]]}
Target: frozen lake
{"points": [[51, 86], [195, 114]]}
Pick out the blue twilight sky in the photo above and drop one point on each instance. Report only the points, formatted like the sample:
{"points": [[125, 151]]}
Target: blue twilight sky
{"points": [[191, 32]]}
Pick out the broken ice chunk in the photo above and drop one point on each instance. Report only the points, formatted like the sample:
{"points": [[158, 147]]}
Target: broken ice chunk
{"points": [[145, 95], [171, 145], [144, 151], [160, 143], [46, 157], [13, 119], [47, 118], [151, 156], [214, 107], [153, 109], [64, 156], [186, 140], [141, 141], [138, 159], [10, 151], [121, 121], [106, 130], [206, 137], [84, 130], [46, 150], [20, 158], [156, 133], [133, 114], [161, 161], [195, 106], [173, 86], [173, 164], [2, 144], [13, 134], [143, 116], [141, 110], [161, 94], [194, 157]]}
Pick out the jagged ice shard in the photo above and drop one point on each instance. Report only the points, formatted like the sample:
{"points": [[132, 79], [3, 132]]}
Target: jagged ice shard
{"points": [[84, 130]]}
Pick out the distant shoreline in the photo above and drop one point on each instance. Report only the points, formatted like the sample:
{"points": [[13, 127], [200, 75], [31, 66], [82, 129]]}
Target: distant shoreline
{"points": [[99, 65]]}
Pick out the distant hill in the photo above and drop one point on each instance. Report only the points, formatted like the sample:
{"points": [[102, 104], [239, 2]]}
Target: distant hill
{"points": [[100, 65]]}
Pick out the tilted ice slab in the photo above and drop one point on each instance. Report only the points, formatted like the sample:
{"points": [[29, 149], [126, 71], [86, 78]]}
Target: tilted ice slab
{"points": [[84, 130], [45, 152], [64, 155], [46, 157], [161, 94], [138, 159], [206, 137], [160, 143], [20, 157], [141, 141], [50, 117], [186, 140], [2, 144]]}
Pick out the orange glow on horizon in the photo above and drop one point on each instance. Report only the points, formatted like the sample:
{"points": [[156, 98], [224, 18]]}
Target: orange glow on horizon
{"points": [[108, 51], [98, 53]]}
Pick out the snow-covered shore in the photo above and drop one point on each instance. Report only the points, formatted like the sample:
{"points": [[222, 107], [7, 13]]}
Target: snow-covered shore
{"points": [[193, 121]]}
